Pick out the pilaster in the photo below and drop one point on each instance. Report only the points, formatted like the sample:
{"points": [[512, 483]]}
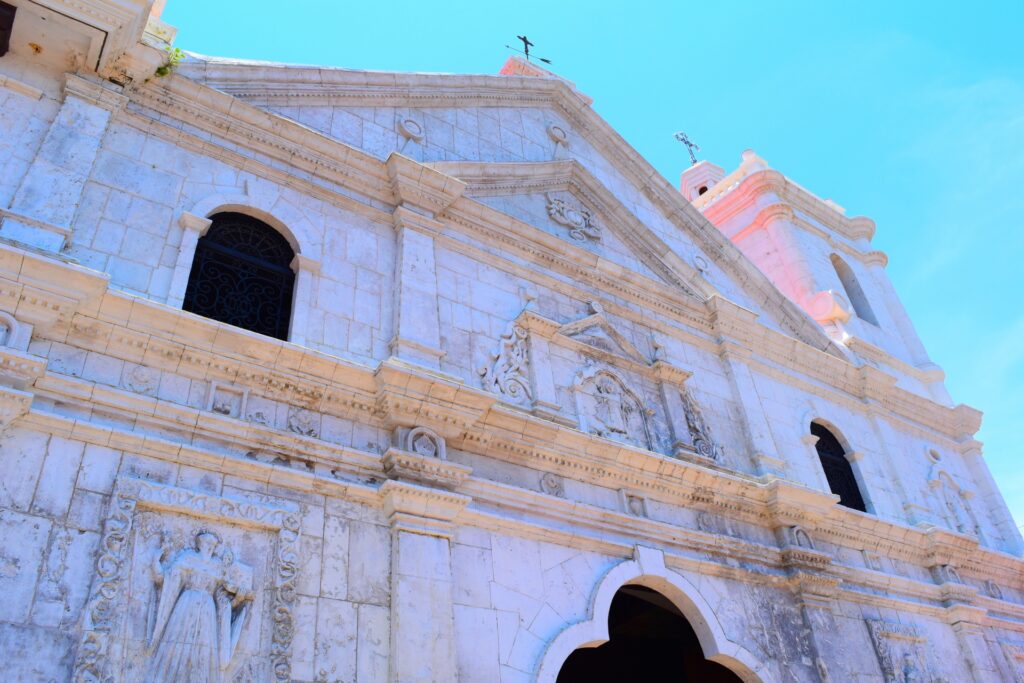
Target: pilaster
{"points": [[756, 426], [545, 398], [44, 205], [420, 193], [306, 270], [422, 614], [193, 227]]}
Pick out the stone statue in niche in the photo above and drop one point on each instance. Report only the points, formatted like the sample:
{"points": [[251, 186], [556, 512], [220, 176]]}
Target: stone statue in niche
{"points": [[506, 373], [203, 601], [579, 221], [607, 408]]}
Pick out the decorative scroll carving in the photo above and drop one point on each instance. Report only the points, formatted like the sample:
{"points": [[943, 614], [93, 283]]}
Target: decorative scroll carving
{"points": [[202, 570], [899, 648], [506, 372], [204, 600], [993, 589], [579, 221], [700, 433], [605, 407]]}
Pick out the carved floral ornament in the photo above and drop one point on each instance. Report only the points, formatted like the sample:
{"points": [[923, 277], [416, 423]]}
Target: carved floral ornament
{"points": [[200, 598], [580, 221], [506, 371]]}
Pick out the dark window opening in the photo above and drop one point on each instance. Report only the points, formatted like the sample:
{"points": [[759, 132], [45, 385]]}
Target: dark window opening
{"points": [[702, 189], [242, 276], [6, 26], [838, 470], [649, 640]]}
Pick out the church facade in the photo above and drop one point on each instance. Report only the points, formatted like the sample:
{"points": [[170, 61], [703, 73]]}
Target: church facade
{"points": [[312, 374]]}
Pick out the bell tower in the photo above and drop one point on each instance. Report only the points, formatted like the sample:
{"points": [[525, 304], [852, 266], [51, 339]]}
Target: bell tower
{"points": [[821, 259]]}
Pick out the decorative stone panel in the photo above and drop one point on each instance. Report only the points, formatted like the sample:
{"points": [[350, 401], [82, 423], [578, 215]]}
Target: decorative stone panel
{"points": [[155, 534]]}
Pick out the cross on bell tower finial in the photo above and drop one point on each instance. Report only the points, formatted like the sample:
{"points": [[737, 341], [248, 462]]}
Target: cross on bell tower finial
{"points": [[690, 146]]}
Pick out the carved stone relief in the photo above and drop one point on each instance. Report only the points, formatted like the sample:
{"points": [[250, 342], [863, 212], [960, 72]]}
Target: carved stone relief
{"points": [[303, 422], [607, 408], [506, 372], [798, 536], [946, 573], [422, 441], [225, 399], [203, 601], [993, 589], [700, 433], [633, 503], [552, 484], [141, 380], [900, 651], [580, 221], [171, 597]]}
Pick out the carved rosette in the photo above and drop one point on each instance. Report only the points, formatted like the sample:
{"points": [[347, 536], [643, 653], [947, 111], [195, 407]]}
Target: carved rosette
{"points": [[507, 372], [105, 613], [579, 220]]}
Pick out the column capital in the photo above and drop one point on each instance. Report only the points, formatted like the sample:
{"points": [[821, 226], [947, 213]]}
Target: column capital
{"points": [[420, 186], [420, 509]]}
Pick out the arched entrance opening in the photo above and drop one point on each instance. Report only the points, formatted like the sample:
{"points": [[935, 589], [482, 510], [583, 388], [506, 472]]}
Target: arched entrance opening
{"points": [[649, 640]]}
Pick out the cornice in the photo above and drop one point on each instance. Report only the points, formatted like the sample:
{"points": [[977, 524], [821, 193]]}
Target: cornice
{"points": [[263, 84], [420, 509], [741, 193], [286, 142]]}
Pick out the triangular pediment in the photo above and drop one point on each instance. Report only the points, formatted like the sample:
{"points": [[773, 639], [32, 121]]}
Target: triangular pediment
{"points": [[564, 199], [595, 330], [506, 119]]}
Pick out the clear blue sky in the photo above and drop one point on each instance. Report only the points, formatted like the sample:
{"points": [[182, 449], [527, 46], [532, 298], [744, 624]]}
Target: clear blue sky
{"points": [[911, 113]]}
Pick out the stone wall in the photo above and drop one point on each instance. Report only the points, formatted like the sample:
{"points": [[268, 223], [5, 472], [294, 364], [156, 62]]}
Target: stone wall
{"points": [[521, 374]]}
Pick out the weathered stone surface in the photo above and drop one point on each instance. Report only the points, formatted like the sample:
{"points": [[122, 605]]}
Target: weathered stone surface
{"points": [[521, 372]]}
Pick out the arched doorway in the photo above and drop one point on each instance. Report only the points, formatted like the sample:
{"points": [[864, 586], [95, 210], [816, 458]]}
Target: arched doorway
{"points": [[649, 640]]}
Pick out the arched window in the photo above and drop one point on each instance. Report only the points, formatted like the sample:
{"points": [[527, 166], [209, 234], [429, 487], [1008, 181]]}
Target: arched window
{"points": [[854, 293], [838, 471], [242, 275]]}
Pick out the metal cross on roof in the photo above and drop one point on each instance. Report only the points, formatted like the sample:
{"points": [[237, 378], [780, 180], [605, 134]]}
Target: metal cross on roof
{"points": [[526, 49], [690, 146]]}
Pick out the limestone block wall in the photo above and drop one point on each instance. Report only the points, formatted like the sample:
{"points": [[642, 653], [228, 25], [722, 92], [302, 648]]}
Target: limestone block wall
{"points": [[56, 494]]}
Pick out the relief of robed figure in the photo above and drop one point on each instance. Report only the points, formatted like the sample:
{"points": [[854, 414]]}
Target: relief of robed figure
{"points": [[203, 601]]}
